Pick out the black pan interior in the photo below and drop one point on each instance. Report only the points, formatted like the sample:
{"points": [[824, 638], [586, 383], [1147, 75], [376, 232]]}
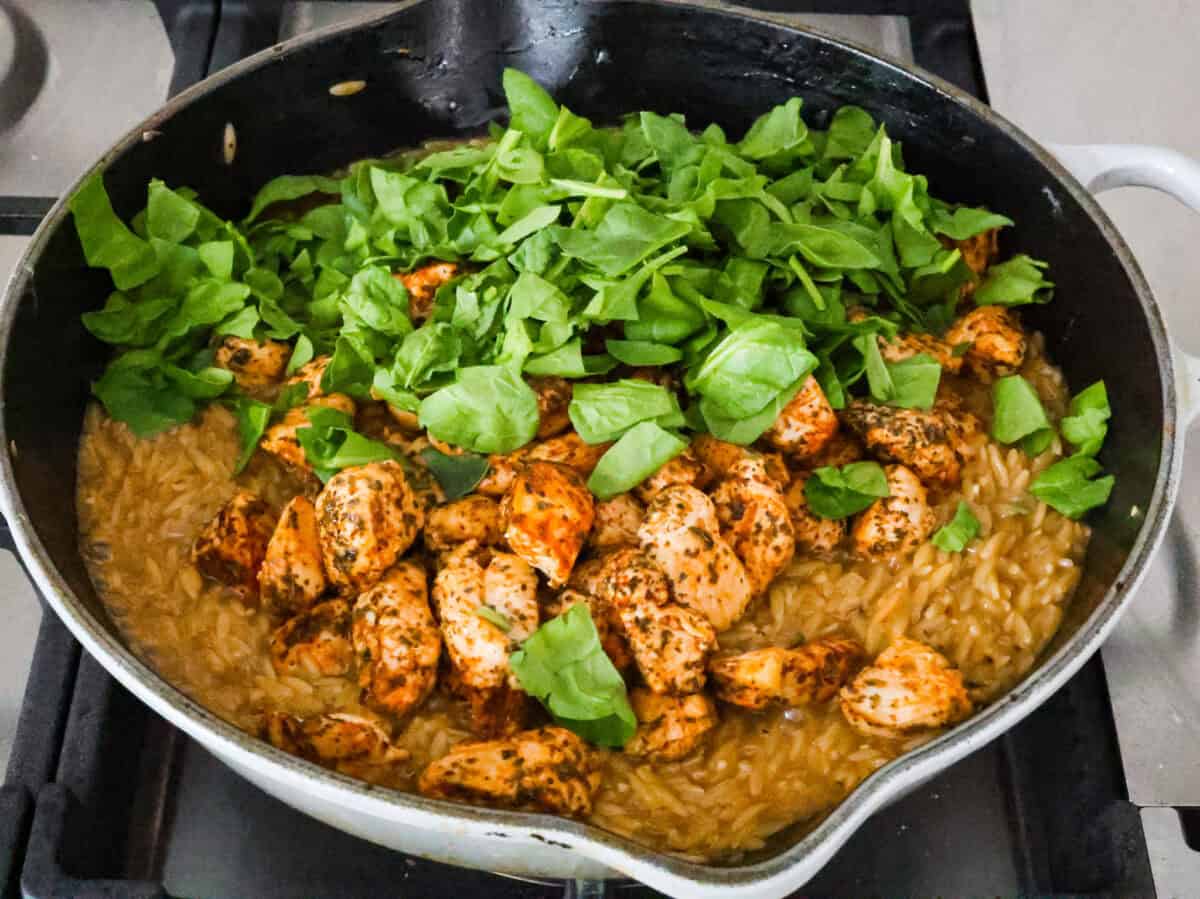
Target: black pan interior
{"points": [[433, 71]]}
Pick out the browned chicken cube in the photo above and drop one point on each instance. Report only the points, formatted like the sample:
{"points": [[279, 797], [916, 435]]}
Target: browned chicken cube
{"points": [[896, 523], [813, 534], [549, 769], [352, 744], [616, 524], [422, 285], [315, 643], [755, 521], [232, 546], [905, 346], [397, 642], [669, 727], [685, 468], [553, 398], [978, 252], [256, 364], [470, 518], [810, 673], [805, 425], [548, 513], [367, 518], [916, 438], [842, 449], [995, 341], [280, 438], [311, 374], [292, 576], [910, 687]]}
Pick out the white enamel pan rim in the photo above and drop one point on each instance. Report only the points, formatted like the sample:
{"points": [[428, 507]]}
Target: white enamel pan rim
{"points": [[773, 876]]}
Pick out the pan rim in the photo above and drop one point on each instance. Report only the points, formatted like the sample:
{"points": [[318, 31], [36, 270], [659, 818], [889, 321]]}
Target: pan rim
{"points": [[787, 868]]}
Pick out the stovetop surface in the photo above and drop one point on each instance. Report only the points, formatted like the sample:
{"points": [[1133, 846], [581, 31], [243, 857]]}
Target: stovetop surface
{"points": [[1016, 817]]}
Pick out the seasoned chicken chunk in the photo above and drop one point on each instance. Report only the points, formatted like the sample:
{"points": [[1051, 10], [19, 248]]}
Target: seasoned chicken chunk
{"points": [[292, 576], [685, 468], [352, 744], [916, 438], [232, 546], [422, 285], [616, 522], [669, 727], [315, 643], [549, 769], [604, 617], [909, 687], [670, 643], [896, 523], [997, 342], [547, 514], [311, 374], [504, 587], [280, 438], [842, 449], [565, 449], [806, 423], [978, 252], [396, 640], [681, 535], [553, 398], [905, 346], [720, 456], [755, 521], [367, 518], [256, 364], [470, 518], [810, 673], [813, 534]]}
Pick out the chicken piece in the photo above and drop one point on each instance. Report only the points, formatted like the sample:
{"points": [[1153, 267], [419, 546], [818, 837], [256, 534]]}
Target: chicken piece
{"points": [[805, 425], [292, 576], [681, 535], [960, 424], [604, 617], [409, 422], [553, 398], [997, 342], [470, 578], [913, 437], [280, 438], [256, 364], [397, 642], [311, 374], [842, 449], [718, 456], [905, 346], [810, 673], [547, 514], [616, 522], [896, 523], [352, 744], [812, 533], [549, 769], [470, 518], [755, 522], [669, 727], [978, 252], [232, 546], [685, 468], [566, 449], [422, 285], [587, 575], [315, 643], [909, 687], [670, 643], [367, 518]]}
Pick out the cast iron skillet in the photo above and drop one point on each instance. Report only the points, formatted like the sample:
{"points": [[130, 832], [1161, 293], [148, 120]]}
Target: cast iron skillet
{"points": [[433, 71]]}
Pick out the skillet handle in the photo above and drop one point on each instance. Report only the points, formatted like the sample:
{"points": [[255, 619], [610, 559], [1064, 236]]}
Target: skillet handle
{"points": [[1101, 167]]}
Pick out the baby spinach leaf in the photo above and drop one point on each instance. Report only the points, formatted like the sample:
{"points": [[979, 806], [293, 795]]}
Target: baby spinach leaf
{"points": [[1071, 486], [129, 323], [964, 221], [170, 216], [488, 409], [568, 361], [563, 664], [457, 475], [914, 382], [140, 396], [302, 354], [330, 443], [252, 420], [841, 492], [774, 132], [625, 236], [1086, 423], [534, 297], [641, 451], [751, 365], [379, 300], [603, 412], [1016, 410], [642, 352], [491, 616], [532, 111], [954, 536], [744, 431], [851, 131], [107, 242], [1017, 282], [289, 187]]}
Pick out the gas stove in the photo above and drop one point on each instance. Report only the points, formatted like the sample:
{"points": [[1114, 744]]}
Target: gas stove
{"points": [[102, 797]]}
